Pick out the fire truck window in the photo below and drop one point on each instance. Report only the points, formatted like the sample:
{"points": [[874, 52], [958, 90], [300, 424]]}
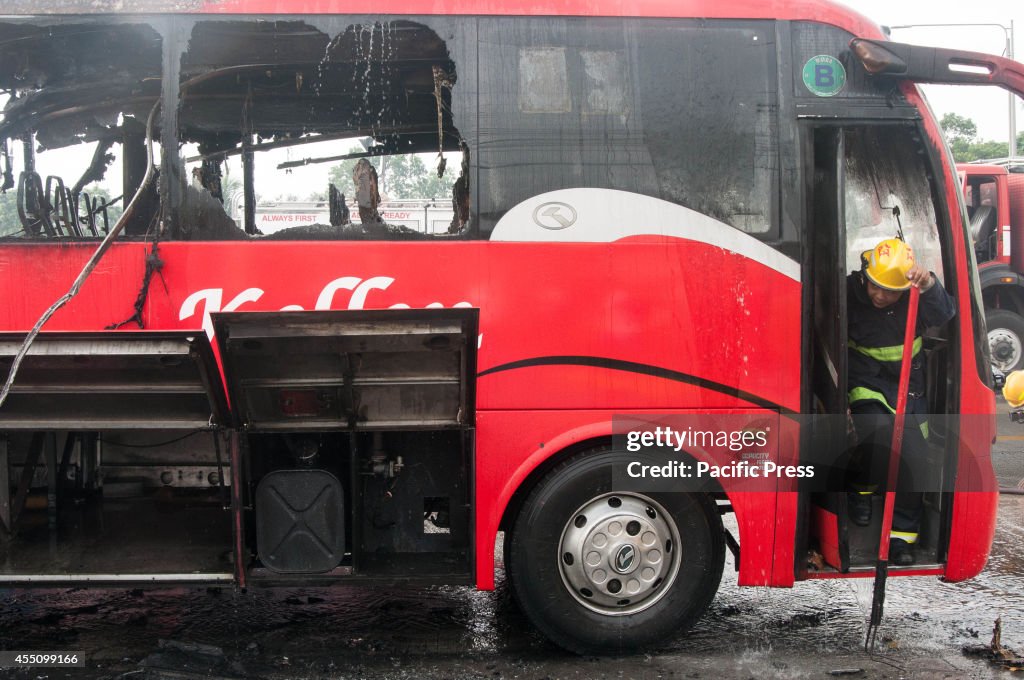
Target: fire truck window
{"points": [[885, 170], [345, 128], [637, 106], [75, 94], [987, 193]]}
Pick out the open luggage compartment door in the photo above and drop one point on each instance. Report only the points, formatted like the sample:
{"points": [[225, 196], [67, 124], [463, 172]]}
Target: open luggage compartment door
{"points": [[109, 440], [362, 369], [112, 380], [359, 440]]}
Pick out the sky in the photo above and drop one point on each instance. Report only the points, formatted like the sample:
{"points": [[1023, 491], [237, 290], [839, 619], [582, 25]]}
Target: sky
{"points": [[986, 106]]}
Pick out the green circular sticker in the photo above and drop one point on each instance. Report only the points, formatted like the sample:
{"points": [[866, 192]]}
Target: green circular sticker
{"points": [[824, 75]]}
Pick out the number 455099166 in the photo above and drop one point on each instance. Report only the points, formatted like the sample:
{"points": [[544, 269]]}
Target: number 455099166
{"points": [[41, 659]]}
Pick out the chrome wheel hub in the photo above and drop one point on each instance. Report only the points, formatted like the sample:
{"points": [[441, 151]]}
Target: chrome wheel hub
{"points": [[619, 553], [1005, 348]]}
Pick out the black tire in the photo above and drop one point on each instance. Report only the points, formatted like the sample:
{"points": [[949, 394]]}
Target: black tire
{"points": [[1005, 339], [667, 603]]}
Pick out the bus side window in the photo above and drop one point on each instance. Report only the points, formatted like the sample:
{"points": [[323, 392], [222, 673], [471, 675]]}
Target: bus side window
{"points": [[292, 108], [625, 110]]}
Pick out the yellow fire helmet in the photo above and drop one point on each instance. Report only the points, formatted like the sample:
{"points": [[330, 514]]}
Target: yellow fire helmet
{"points": [[1013, 389], [888, 263]]}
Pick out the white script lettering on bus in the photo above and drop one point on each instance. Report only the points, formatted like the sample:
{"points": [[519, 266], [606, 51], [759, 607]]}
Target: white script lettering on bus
{"points": [[212, 299]]}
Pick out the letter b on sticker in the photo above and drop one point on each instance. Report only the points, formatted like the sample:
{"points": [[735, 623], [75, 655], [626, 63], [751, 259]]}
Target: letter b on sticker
{"points": [[824, 75]]}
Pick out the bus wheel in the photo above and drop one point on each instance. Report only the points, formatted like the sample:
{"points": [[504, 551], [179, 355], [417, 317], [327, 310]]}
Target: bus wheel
{"points": [[606, 572], [1005, 339]]}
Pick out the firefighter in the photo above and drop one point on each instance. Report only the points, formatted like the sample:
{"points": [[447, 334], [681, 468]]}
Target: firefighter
{"points": [[877, 314], [1013, 393], [1013, 390]]}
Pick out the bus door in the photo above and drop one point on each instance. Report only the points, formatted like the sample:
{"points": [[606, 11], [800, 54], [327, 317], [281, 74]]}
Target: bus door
{"points": [[869, 181], [827, 377]]}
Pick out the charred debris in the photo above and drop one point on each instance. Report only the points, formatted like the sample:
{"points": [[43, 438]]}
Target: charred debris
{"points": [[228, 87]]}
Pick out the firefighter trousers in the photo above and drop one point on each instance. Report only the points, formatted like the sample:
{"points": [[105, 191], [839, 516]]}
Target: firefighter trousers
{"points": [[869, 465]]}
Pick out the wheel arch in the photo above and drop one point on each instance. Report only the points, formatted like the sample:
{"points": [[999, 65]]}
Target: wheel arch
{"points": [[515, 502], [546, 439], [1002, 288]]}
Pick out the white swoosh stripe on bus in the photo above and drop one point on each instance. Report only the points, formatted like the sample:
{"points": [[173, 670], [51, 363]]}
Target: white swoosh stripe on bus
{"points": [[606, 215]]}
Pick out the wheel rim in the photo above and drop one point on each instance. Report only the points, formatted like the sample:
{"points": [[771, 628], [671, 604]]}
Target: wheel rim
{"points": [[1005, 348], [619, 553]]}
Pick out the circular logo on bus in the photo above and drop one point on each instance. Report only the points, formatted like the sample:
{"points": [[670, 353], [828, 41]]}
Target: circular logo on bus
{"points": [[554, 215], [824, 75], [624, 558]]}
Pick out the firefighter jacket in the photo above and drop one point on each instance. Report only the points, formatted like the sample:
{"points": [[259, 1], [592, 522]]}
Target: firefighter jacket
{"points": [[875, 345]]}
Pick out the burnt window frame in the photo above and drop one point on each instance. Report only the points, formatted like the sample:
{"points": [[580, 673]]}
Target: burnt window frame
{"points": [[452, 29]]}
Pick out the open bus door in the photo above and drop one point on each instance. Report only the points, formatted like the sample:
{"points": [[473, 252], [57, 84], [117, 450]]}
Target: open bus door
{"points": [[858, 172], [828, 520], [864, 171]]}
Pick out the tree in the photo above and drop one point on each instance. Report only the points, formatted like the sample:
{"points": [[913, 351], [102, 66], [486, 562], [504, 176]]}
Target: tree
{"points": [[958, 127], [409, 177], [962, 133], [341, 176]]}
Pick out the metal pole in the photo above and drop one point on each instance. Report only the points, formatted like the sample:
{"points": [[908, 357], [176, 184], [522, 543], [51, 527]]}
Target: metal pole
{"points": [[237, 510], [1013, 99], [899, 420], [249, 184], [5, 489]]}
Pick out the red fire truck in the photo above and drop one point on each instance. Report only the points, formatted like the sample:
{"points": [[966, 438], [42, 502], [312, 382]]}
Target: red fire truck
{"points": [[654, 213], [994, 191]]}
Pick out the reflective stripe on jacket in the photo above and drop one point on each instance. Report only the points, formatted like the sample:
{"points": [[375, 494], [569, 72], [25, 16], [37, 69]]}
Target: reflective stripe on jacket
{"points": [[875, 340]]}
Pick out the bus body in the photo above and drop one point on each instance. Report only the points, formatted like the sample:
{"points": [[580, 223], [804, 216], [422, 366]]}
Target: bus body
{"points": [[652, 225]]}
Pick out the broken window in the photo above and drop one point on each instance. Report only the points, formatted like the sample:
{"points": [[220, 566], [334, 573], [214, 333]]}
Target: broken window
{"points": [[75, 95], [371, 127], [885, 170], [326, 128]]}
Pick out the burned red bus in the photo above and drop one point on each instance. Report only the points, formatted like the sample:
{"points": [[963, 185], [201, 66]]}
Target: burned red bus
{"points": [[652, 219]]}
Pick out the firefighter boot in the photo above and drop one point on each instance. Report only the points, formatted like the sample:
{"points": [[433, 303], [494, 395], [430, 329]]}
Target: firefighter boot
{"points": [[901, 553], [859, 506]]}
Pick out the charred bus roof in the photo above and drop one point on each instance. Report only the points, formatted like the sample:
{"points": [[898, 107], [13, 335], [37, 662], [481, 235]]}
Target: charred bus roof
{"points": [[72, 78]]}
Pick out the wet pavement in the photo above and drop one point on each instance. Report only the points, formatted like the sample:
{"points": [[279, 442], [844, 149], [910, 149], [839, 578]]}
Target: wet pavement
{"points": [[815, 630]]}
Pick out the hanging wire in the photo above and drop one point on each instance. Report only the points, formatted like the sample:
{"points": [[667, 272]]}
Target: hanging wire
{"points": [[91, 264]]}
